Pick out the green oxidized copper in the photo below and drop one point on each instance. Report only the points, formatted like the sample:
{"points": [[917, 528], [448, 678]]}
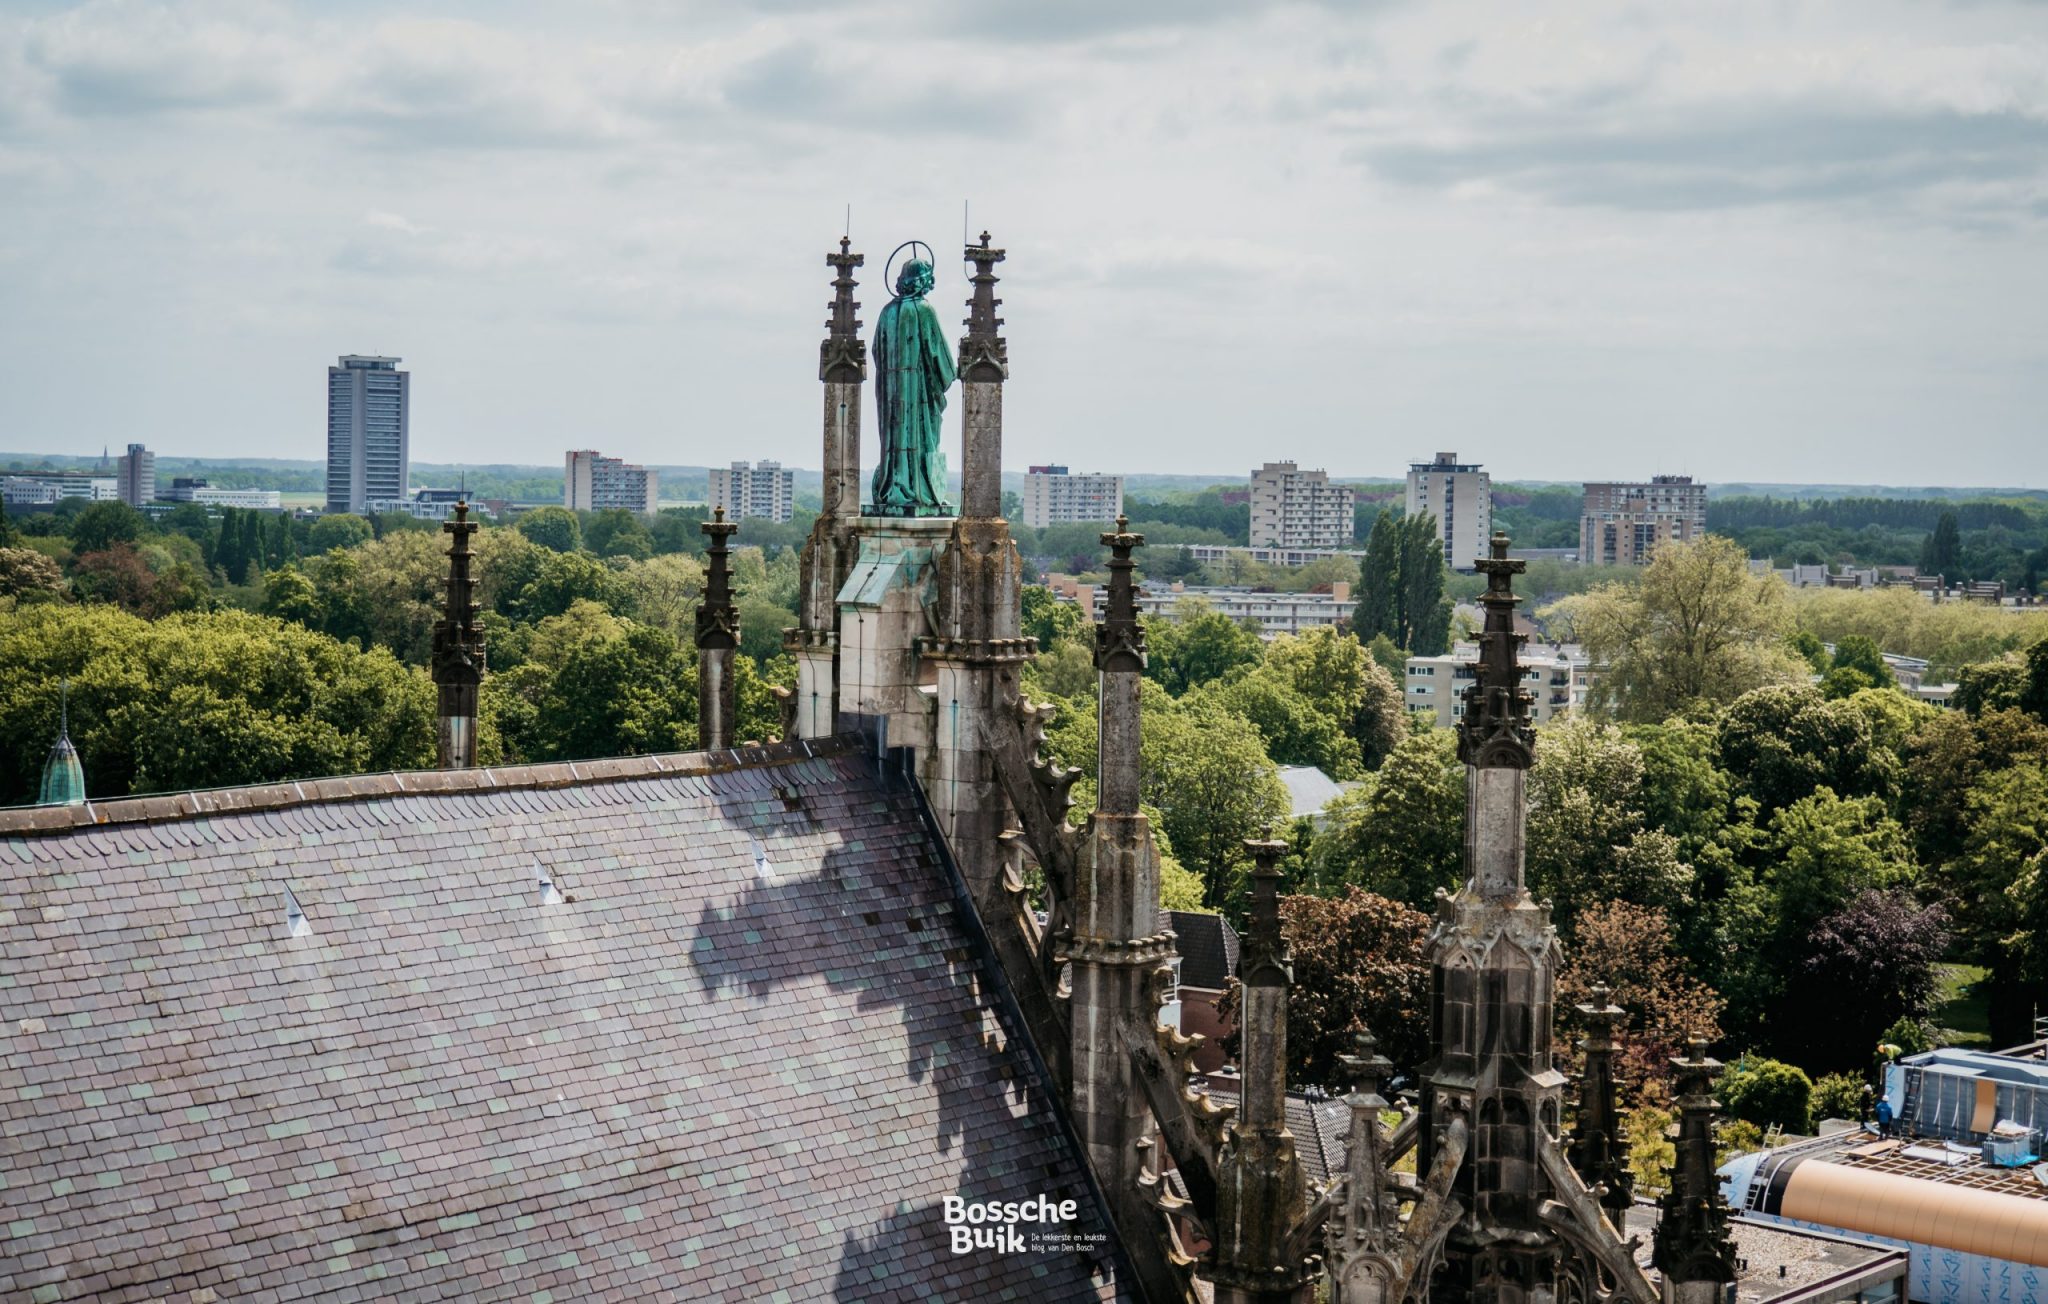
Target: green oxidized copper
{"points": [[913, 371], [63, 776]]}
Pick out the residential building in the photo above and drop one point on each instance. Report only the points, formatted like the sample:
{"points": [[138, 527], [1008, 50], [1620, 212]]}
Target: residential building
{"points": [[137, 476], [369, 401], [1622, 522], [1055, 496], [1276, 613], [1203, 970], [1556, 673], [1460, 496], [1218, 552], [1293, 508], [762, 490], [592, 482], [194, 489], [44, 488], [429, 504]]}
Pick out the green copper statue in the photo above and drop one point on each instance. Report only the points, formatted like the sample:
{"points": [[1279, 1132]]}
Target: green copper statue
{"points": [[913, 371]]}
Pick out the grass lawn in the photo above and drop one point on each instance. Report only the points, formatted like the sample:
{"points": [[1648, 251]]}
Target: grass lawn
{"points": [[1961, 1005]]}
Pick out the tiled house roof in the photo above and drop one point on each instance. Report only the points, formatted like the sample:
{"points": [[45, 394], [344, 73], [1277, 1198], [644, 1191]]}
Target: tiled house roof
{"points": [[1208, 948], [742, 1050]]}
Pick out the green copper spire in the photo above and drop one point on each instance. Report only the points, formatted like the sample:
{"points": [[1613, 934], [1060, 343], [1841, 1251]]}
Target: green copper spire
{"points": [[63, 776]]}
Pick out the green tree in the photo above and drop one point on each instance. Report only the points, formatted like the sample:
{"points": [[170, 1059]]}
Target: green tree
{"points": [[289, 595], [1332, 671], [1786, 741], [1379, 588], [1808, 648], [553, 528], [595, 684], [1698, 627], [1295, 730], [252, 542], [149, 584], [1401, 834], [1943, 550], [1840, 1095], [337, 530], [1048, 619], [616, 532], [201, 700], [1200, 645], [1586, 837], [1996, 884], [1768, 1093], [2034, 694], [103, 524], [563, 579], [227, 550], [1425, 620]]}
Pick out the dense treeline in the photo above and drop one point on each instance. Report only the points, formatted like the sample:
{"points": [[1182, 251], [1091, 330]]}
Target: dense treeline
{"points": [[1729, 515], [249, 647], [1752, 839]]}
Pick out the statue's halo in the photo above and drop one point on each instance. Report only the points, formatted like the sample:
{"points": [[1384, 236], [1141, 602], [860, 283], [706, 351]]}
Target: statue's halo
{"points": [[889, 267]]}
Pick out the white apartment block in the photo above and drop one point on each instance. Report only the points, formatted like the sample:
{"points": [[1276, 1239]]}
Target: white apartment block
{"points": [[1276, 613], [762, 490], [189, 489], [1293, 508], [1460, 496], [137, 476], [1558, 676], [1622, 522], [1055, 496], [38, 490], [592, 482]]}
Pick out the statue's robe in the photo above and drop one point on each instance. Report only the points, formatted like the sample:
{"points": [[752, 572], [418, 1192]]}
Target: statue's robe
{"points": [[913, 371]]}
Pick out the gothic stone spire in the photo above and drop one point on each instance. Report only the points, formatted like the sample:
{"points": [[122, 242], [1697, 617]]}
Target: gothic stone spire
{"points": [[984, 366], [1261, 1189], [718, 624], [1496, 731], [1120, 660], [1599, 1145], [458, 650], [1693, 1248]]}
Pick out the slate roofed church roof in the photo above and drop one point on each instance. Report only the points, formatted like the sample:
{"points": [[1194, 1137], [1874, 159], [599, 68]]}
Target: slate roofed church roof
{"points": [[637, 1029], [1208, 948]]}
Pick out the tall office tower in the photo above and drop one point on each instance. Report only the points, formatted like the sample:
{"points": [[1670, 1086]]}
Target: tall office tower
{"points": [[138, 476], [1623, 522], [368, 432], [1053, 496], [763, 489], [1460, 496], [1293, 508], [592, 482]]}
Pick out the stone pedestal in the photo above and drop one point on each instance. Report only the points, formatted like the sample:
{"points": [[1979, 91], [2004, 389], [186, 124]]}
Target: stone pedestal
{"points": [[887, 605]]}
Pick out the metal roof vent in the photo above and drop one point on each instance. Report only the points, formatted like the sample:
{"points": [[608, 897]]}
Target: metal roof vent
{"points": [[295, 920], [550, 895], [763, 870]]}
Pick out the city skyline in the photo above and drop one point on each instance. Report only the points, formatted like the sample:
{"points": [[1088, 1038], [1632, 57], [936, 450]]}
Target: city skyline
{"points": [[1756, 245]]}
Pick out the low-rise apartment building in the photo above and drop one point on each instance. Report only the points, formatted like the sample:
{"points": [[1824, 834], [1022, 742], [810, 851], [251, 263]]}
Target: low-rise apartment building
{"points": [[1557, 675], [195, 489], [1276, 613]]}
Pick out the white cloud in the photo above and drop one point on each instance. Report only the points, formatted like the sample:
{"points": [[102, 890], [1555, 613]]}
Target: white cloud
{"points": [[1346, 233]]}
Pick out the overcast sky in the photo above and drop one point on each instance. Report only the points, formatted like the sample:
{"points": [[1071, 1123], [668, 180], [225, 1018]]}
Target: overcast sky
{"points": [[1751, 241]]}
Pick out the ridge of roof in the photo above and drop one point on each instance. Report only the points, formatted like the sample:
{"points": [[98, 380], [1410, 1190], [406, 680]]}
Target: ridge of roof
{"points": [[33, 821]]}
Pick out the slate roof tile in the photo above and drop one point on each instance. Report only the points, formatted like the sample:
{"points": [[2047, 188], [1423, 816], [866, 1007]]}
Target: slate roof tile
{"points": [[692, 1079]]}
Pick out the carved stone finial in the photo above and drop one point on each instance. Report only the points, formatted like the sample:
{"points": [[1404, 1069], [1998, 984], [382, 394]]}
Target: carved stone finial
{"points": [[458, 649], [718, 621], [1496, 731], [1120, 639], [843, 356]]}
